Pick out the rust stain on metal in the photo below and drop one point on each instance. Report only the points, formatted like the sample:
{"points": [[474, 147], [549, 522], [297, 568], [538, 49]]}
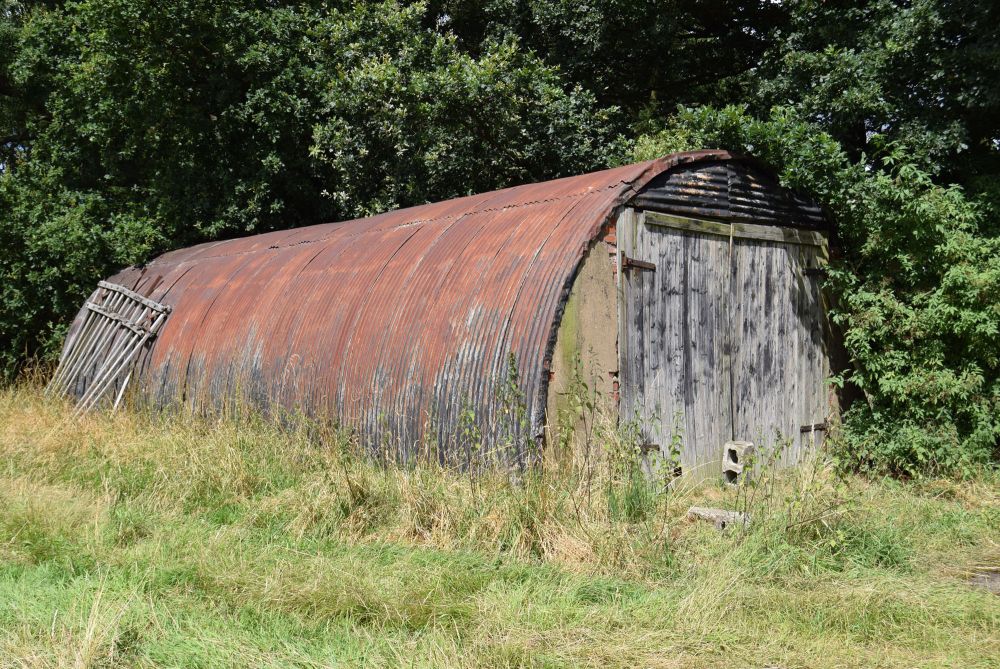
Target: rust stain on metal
{"points": [[401, 325]]}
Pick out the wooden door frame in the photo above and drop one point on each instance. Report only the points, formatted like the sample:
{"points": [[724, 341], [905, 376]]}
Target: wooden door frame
{"points": [[764, 233], [631, 220]]}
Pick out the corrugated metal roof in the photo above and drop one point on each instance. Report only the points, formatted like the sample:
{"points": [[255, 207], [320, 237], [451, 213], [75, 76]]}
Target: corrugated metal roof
{"points": [[401, 325]]}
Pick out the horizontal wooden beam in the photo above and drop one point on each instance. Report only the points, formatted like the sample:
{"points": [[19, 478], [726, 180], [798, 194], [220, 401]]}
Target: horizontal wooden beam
{"points": [[110, 315], [765, 233], [155, 306]]}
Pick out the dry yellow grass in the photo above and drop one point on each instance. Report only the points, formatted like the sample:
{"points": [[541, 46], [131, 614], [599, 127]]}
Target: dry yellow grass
{"points": [[144, 540]]}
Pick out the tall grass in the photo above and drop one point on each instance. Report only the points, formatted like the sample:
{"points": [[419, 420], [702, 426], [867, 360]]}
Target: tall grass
{"points": [[145, 539]]}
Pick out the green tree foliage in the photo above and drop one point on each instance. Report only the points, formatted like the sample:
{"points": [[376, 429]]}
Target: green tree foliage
{"points": [[923, 75], [138, 126], [644, 56], [917, 288]]}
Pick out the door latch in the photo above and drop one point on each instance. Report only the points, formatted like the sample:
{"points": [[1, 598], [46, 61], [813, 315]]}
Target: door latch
{"points": [[630, 263]]}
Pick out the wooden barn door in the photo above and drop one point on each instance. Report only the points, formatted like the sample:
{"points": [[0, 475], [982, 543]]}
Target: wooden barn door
{"points": [[675, 380], [720, 337], [779, 366]]}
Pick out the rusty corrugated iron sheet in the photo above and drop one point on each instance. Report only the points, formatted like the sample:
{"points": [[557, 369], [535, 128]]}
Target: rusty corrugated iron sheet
{"points": [[403, 325], [729, 191]]}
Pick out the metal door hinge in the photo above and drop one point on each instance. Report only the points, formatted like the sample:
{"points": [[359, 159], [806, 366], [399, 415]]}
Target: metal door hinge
{"points": [[814, 427], [629, 263]]}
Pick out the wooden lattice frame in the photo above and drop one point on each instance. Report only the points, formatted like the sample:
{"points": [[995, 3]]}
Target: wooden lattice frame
{"points": [[116, 326]]}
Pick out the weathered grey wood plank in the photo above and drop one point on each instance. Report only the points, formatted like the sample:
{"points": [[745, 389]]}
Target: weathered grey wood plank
{"points": [[708, 391], [738, 230], [625, 231], [674, 343], [778, 358]]}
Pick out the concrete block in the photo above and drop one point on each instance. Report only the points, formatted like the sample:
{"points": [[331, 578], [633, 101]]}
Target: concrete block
{"points": [[735, 458]]}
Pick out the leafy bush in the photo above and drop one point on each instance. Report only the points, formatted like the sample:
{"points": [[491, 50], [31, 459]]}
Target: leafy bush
{"points": [[917, 289]]}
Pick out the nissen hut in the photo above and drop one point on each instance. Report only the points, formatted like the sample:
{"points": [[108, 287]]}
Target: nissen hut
{"points": [[683, 292]]}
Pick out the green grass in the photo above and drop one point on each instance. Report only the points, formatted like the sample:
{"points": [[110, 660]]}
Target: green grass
{"points": [[137, 540]]}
